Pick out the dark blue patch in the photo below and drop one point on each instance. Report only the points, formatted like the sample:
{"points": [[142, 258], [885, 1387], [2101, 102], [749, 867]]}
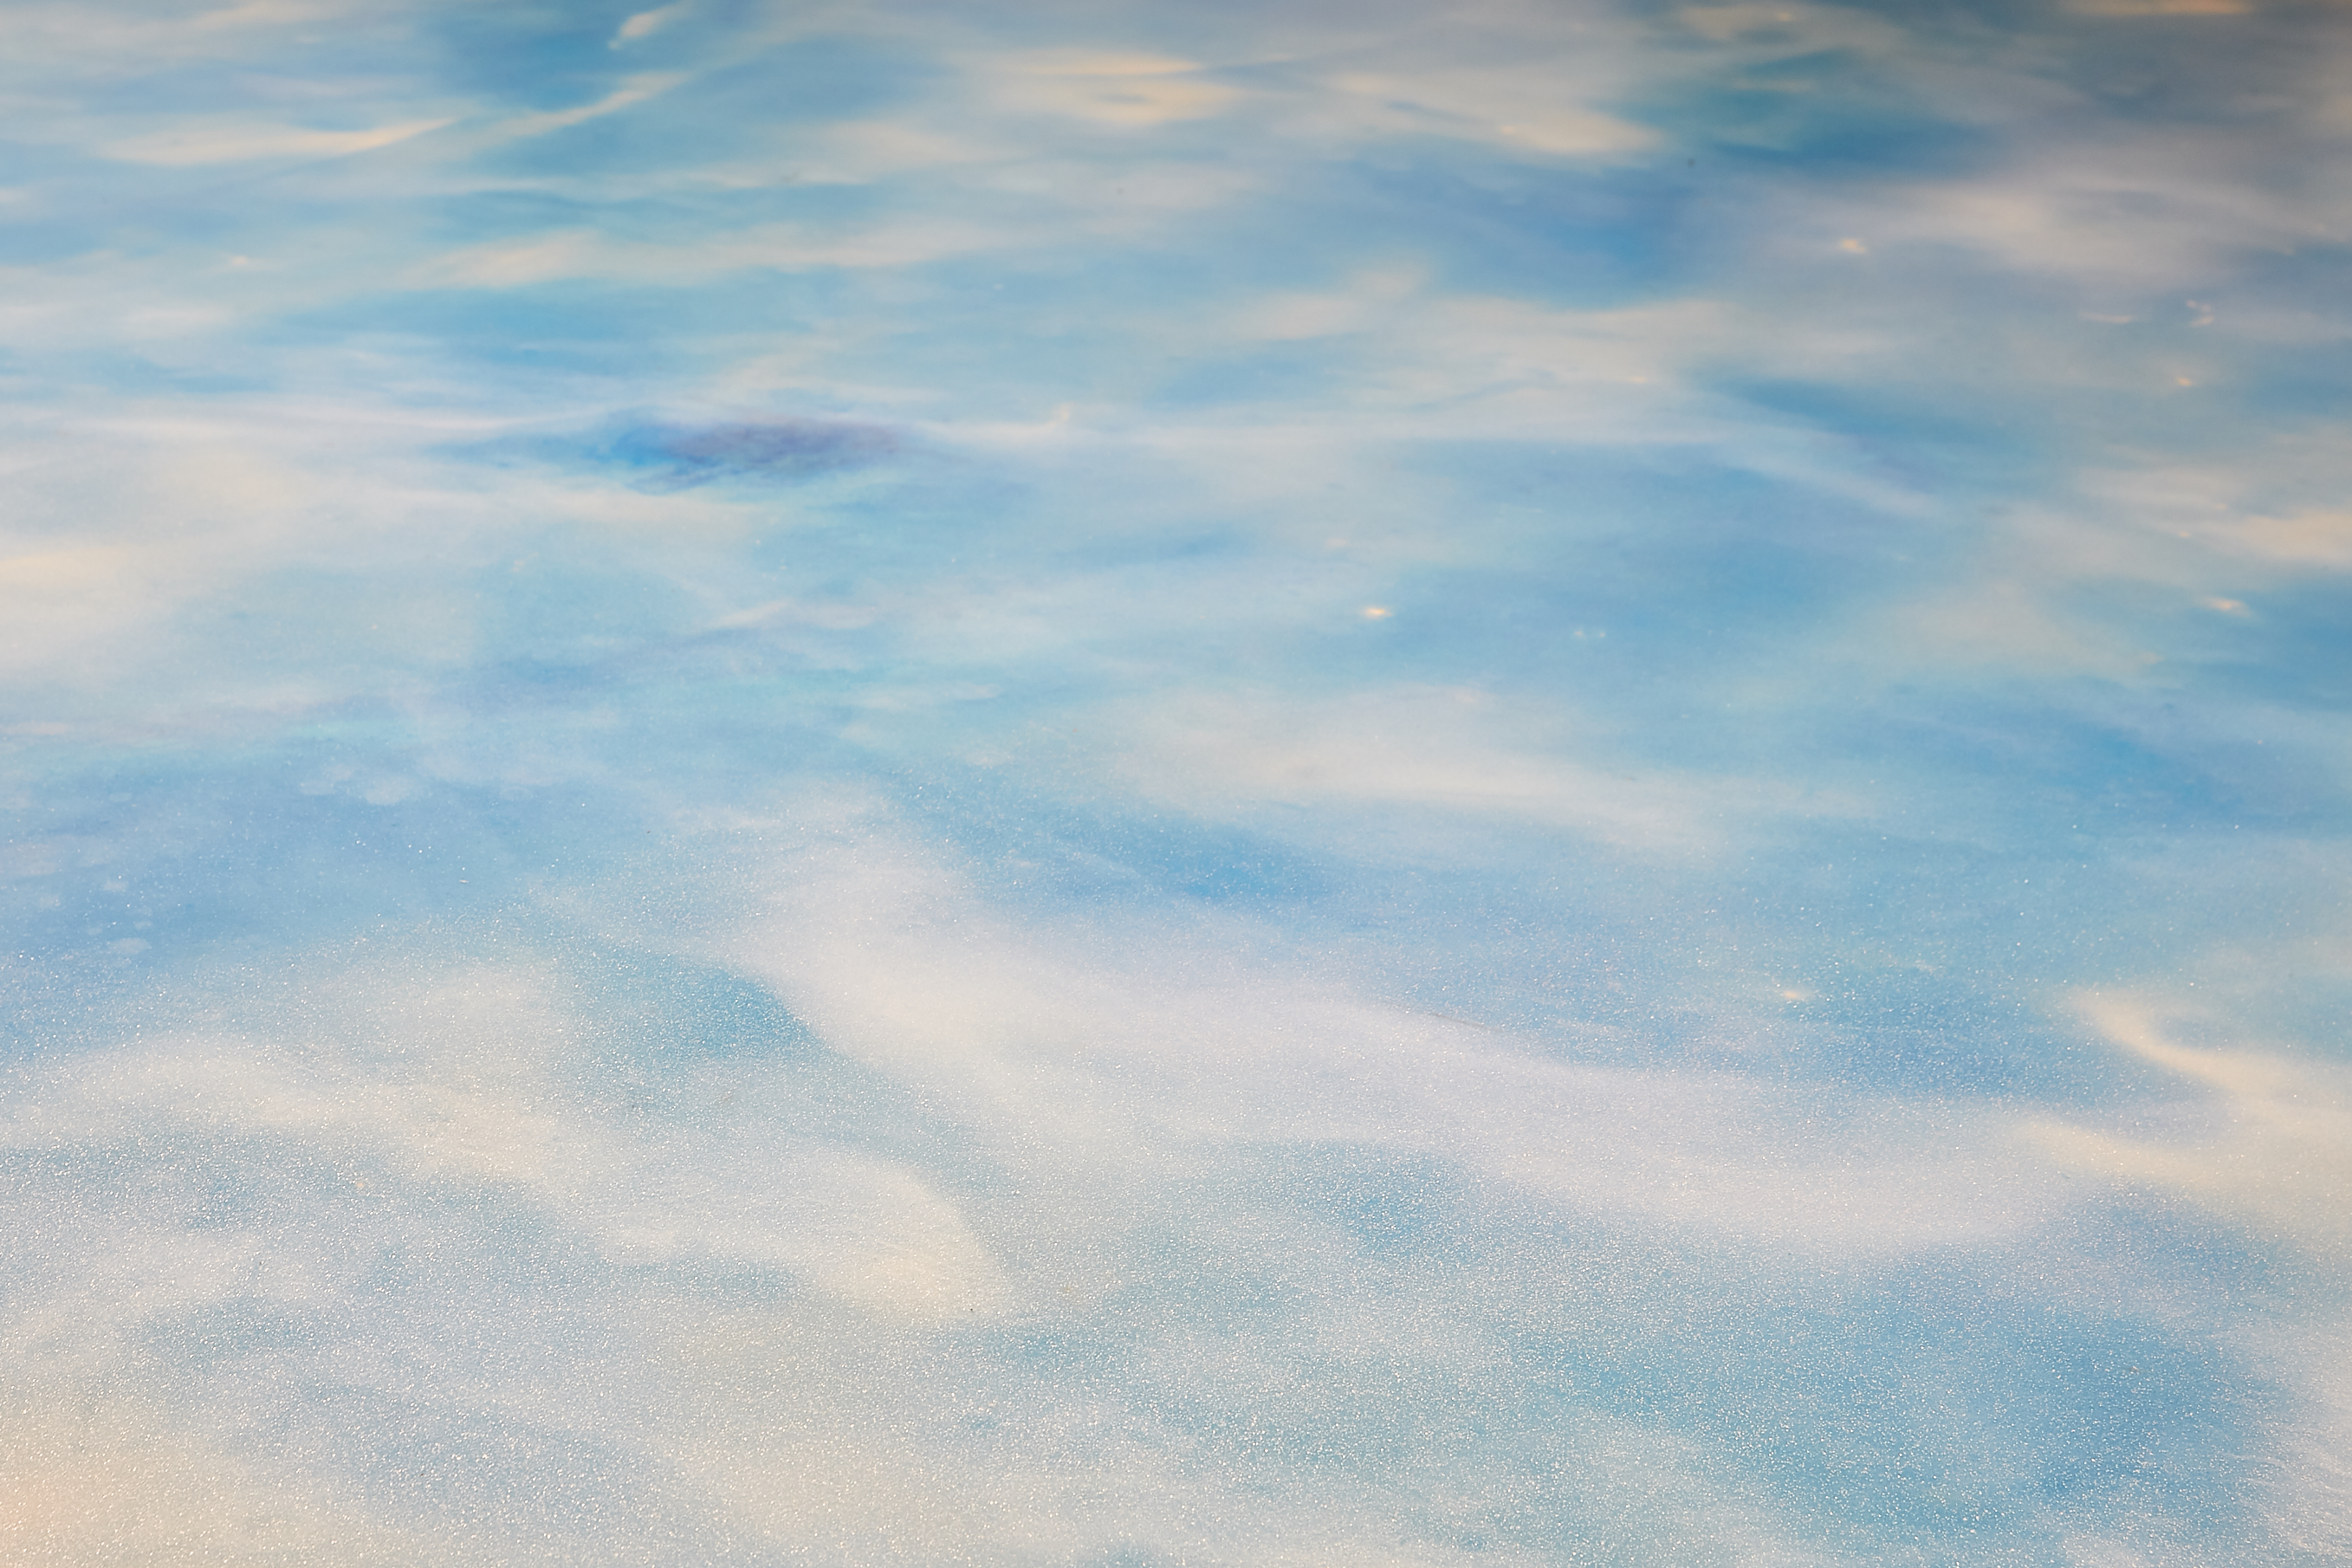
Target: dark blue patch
{"points": [[666, 456], [674, 457]]}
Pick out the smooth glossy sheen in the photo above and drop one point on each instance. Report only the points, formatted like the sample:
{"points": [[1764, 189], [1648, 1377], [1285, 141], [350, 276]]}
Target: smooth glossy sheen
{"points": [[1107, 786]]}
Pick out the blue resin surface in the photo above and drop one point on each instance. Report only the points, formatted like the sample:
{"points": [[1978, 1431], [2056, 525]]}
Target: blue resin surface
{"points": [[1107, 784]]}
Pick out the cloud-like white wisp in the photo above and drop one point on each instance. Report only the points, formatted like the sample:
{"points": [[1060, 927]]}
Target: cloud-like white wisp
{"points": [[1205, 324], [88, 1478], [94, 561], [1520, 108], [2276, 1163], [2210, 508], [471, 1090], [2280, 1165], [119, 528], [1458, 750], [781, 247], [864, 1419], [2135, 219], [2136, 8], [2216, 535], [188, 145], [1115, 89], [645, 24], [1496, 366], [1090, 1069], [636, 91]]}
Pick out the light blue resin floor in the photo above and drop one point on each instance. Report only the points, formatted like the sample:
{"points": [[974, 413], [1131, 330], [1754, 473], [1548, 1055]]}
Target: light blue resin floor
{"points": [[1340, 786]]}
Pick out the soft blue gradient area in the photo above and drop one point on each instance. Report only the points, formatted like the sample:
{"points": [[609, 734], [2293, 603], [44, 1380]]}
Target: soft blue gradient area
{"points": [[1361, 785]]}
